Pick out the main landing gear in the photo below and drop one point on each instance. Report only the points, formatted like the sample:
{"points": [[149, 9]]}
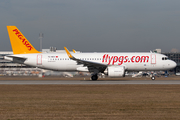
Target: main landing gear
{"points": [[94, 77]]}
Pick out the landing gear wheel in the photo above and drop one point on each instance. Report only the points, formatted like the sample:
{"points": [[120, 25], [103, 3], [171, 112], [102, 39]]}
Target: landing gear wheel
{"points": [[94, 77], [153, 78]]}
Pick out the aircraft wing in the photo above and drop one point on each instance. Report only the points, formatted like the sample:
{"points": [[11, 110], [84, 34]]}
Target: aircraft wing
{"points": [[91, 65]]}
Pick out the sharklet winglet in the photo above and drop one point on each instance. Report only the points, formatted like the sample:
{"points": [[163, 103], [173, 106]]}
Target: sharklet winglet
{"points": [[74, 51], [68, 53]]}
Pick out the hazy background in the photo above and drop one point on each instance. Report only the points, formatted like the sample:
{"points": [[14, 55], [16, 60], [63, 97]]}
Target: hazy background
{"points": [[94, 25]]}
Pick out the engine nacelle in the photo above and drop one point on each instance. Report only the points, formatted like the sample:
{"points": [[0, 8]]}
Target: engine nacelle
{"points": [[115, 71]]}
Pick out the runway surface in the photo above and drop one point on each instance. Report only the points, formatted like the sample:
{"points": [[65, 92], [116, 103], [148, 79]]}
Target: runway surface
{"points": [[85, 82]]}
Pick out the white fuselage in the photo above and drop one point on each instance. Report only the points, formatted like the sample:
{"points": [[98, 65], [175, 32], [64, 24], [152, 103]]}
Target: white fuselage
{"points": [[131, 61]]}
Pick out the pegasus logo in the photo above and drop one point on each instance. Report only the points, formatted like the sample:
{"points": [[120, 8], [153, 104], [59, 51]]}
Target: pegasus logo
{"points": [[23, 39]]}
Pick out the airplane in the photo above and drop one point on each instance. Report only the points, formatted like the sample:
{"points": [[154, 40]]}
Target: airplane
{"points": [[113, 64]]}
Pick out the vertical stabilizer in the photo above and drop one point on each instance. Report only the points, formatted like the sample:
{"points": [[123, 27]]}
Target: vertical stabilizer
{"points": [[19, 44]]}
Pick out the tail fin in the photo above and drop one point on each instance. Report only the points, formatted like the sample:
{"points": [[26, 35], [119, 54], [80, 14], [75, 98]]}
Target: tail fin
{"points": [[19, 44]]}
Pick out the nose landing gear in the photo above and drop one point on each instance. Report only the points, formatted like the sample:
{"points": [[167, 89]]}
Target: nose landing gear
{"points": [[153, 78]]}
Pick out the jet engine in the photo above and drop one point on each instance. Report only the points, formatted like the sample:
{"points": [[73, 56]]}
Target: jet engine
{"points": [[115, 71]]}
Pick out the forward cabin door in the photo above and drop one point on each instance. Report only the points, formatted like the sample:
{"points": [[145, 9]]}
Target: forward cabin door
{"points": [[153, 60]]}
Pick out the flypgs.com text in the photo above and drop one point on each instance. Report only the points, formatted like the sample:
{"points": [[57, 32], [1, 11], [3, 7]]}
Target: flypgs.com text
{"points": [[124, 59]]}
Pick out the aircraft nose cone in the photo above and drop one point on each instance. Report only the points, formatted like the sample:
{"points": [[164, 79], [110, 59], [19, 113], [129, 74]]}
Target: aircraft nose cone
{"points": [[173, 64]]}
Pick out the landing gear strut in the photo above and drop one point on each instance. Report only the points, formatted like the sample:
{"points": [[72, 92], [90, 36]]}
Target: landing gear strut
{"points": [[94, 77]]}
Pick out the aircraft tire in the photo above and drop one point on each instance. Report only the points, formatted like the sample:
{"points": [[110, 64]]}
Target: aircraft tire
{"points": [[153, 78], [94, 77]]}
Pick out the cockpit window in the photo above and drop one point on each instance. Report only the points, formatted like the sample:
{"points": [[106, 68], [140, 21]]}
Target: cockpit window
{"points": [[164, 58]]}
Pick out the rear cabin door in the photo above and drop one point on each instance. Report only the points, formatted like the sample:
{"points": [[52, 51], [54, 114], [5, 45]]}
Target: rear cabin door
{"points": [[39, 59]]}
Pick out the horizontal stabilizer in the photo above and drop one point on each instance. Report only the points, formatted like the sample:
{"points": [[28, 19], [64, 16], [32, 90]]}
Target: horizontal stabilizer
{"points": [[15, 58]]}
